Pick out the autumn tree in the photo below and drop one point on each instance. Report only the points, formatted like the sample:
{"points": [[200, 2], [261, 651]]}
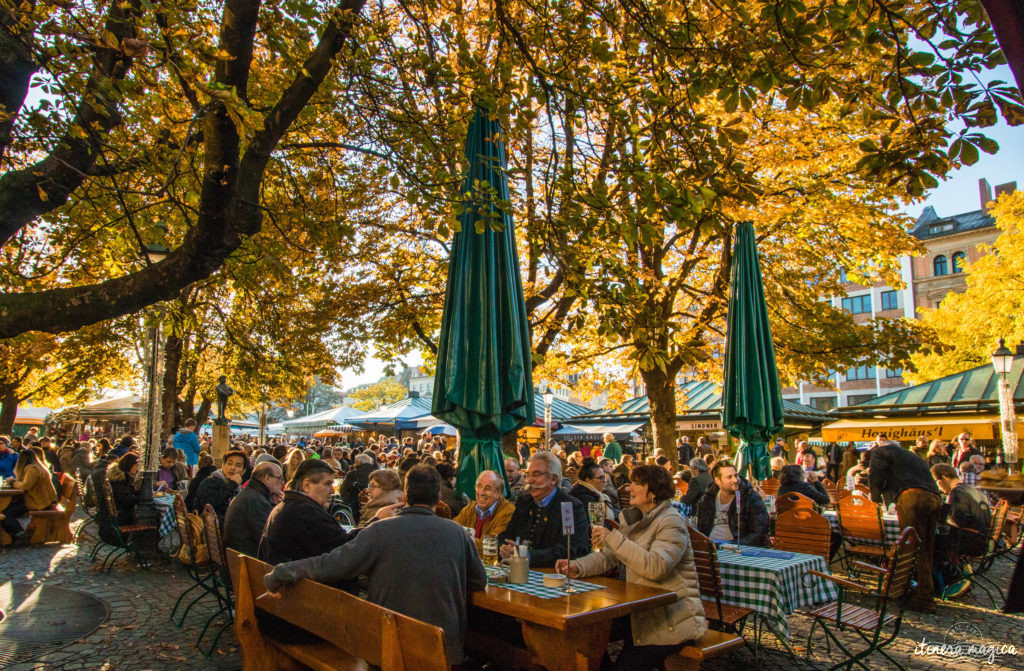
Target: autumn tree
{"points": [[968, 325], [383, 392]]}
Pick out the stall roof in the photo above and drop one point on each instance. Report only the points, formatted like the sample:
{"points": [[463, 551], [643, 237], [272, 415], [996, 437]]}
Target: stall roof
{"points": [[407, 408], [972, 391], [616, 429], [324, 418]]}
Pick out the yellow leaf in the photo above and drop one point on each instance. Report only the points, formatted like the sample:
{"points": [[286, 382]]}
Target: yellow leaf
{"points": [[42, 194]]}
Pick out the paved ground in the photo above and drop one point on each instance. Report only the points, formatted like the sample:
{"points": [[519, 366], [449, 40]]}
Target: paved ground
{"points": [[140, 636]]}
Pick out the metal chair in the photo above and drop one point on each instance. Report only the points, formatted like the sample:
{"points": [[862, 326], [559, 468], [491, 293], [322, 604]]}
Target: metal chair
{"points": [[976, 574], [220, 581], [193, 555], [890, 594], [123, 538], [803, 530]]}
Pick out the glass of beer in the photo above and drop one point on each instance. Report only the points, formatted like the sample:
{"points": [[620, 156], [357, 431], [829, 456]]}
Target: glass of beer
{"points": [[595, 511], [490, 546]]}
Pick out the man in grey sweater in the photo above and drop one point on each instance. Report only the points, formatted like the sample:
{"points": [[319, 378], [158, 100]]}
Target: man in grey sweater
{"points": [[416, 563]]}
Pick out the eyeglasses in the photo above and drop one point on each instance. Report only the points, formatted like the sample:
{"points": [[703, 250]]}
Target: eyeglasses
{"points": [[373, 485], [537, 474]]}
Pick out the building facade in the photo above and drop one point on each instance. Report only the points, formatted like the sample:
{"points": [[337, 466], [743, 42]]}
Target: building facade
{"points": [[949, 244]]}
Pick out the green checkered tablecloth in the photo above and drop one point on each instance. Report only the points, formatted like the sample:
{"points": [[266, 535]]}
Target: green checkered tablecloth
{"points": [[536, 585], [773, 587], [890, 522]]}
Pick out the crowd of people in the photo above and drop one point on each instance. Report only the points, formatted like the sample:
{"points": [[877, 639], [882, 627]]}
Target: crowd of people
{"points": [[277, 502]]}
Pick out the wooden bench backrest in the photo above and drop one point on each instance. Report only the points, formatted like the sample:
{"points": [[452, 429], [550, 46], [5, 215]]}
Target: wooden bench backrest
{"points": [[792, 500], [365, 630], [859, 517], [770, 486], [832, 489], [803, 530], [624, 496], [705, 558]]}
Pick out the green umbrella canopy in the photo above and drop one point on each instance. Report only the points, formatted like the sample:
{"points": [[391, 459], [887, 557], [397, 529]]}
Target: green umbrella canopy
{"points": [[751, 394], [483, 385]]}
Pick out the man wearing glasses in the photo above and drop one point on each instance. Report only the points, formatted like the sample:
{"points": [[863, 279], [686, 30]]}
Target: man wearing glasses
{"points": [[492, 511], [538, 516], [248, 512]]}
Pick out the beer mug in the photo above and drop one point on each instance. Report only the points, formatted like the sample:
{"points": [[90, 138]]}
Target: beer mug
{"points": [[490, 547], [595, 511]]}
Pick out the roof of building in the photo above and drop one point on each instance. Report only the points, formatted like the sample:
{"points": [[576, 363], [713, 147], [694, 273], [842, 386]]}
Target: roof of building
{"points": [[701, 399], [407, 408], [930, 225], [970, 391], [324, 418]]}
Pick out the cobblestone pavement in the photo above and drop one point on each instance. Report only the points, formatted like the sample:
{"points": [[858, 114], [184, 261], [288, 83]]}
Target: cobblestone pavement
{"points": [[140, 636]]}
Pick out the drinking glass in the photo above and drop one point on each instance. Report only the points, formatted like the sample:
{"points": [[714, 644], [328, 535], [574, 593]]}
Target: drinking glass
{"points": [[490, 546], [595, 511]]}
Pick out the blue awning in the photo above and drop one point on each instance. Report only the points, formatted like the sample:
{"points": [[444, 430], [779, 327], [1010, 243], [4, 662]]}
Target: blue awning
{"points": [[597, 430]]}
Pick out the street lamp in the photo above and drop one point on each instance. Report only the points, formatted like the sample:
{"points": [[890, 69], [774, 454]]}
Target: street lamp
{"points": [[548, 398], [1002, 362]]}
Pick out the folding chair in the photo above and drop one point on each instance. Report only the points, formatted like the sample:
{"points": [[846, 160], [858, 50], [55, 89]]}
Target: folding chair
{"points": [[219, 582], [976, 574], [705, 557], [803, 530], [193, 555], [890, 595], [792, 500], [125, 539], [770, 486], [860, 523]]}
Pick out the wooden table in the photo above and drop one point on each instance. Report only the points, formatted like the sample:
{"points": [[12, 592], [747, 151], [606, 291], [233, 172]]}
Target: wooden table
{"points": [[570, 632], [7, 495], [1013, 495]]}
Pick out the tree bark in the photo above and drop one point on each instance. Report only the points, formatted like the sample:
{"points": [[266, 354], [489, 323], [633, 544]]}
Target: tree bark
{"points": [[16, 69], [203, 413], [172, 362], [8, 409], [661, 395]]}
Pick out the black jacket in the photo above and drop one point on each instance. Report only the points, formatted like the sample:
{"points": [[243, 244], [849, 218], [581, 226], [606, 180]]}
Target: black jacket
{"points": [[585, 494], [685, 454], [815, 491], [894, 470], [696, 488], [298, 528], [218, 492], [126, 497], [754, 522], [193, 486], [246, 517], [356, 480], [543, 528]]}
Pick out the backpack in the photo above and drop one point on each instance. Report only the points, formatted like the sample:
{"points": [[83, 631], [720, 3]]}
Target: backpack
{"points": [[195, 535]]}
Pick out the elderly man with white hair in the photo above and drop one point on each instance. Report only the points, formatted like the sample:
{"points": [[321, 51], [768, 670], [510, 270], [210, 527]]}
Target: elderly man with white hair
{"points": [[538, 516], [491, 511]]}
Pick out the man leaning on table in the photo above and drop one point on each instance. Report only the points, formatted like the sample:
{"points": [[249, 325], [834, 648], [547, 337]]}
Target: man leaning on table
{"points": [[416, 563], [538, 516]]}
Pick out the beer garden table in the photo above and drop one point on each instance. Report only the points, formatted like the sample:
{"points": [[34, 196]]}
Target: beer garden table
{"points": [[8, 495], [773, 584], [566, 633]]}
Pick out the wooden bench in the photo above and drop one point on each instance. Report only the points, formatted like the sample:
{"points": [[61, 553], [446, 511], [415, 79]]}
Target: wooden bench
{"points": [[51, 526], [351, 633], [713, 644]]}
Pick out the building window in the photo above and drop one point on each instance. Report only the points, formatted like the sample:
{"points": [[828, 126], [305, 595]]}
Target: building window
{"points": [[842, 275], [824, 403], [959, 259], [854, 399], [939, 265], [856, 305], [861, 373], [940, 228], [890, 300], [898, 372]]}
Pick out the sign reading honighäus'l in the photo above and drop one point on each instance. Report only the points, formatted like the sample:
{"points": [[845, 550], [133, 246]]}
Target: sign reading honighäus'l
{"points": [[908, 429]]}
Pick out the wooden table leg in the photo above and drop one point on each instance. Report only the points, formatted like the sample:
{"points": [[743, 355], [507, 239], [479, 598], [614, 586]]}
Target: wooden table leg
{"points": [[577, 650]]}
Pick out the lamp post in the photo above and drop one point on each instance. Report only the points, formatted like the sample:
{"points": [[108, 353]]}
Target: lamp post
{"points": [[146, 511], [1002, 362], [548, 398]]}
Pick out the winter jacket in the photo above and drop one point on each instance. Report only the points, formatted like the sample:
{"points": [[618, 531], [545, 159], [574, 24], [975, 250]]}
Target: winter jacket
{"points": [[815, 491], [587, 495], [656, 551], [188, 442], [246, 518], [126, 497], [7, 461], [218, 491], [40, 493], [495, 524], [371, 507], [298, 528], [695, 490], [895, 470], [613, 451], [752, 518], [543, 527], [193, 486], [355, 482]]}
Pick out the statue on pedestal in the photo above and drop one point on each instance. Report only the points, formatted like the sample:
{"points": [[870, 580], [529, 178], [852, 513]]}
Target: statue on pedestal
{"points": [[223, 391]]}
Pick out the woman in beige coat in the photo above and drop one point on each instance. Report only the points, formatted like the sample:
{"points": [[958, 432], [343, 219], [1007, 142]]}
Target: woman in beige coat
{"points": [[654, 546]]}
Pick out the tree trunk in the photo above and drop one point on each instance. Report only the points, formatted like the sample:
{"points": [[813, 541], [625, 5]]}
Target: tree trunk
{"points": [[203, 413], [169, 402], [509, 444], [661, 394], [8, 409]]}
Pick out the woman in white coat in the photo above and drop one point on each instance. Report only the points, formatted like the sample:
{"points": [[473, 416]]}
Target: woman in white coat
{"points": [[654, 546]]}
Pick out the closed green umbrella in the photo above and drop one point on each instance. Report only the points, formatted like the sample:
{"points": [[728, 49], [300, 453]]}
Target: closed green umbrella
{"points": [[483, 385], [751, 395]]}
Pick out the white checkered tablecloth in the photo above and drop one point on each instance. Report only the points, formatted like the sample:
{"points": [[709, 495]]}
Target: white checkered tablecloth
{"points": [[165, 504], [773, 587], [536, 585], [890, 522]]}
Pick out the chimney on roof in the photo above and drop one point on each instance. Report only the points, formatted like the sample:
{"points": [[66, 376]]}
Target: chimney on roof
{"points": [[985, 191], [1008, 187], [413, 394]]}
